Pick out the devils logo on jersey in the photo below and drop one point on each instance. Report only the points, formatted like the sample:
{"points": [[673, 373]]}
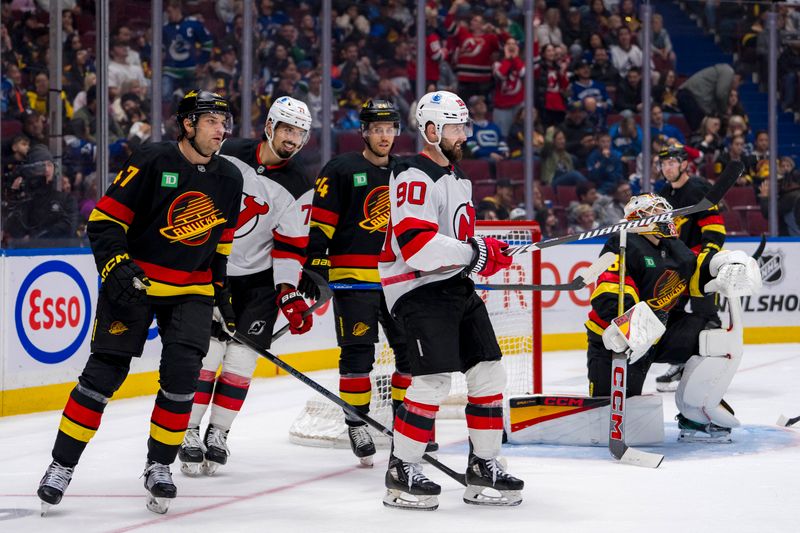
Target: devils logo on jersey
{"points": [[251, 209], [377, 209], [191, 218], [666, 291], [464, 221]]}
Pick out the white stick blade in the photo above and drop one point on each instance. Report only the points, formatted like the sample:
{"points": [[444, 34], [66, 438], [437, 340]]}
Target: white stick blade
{"points": [[782, 420], [635, 457], [590, 273]]}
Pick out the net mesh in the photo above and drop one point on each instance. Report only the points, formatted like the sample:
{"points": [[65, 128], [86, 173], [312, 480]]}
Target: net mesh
{"points": [[321, 423]]}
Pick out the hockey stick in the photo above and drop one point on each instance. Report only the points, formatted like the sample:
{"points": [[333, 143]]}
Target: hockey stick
{"points": [[786, 422], [238, 337], [726, 180], [588, 276], [760, 250], [325, 294], [619, 385]]}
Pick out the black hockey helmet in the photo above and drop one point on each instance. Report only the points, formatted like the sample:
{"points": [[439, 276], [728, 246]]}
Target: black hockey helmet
{"points": [[675, 151], [197, 102], [378, 111]]}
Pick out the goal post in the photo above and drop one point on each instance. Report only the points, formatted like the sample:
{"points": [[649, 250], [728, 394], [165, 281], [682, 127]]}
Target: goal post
{"points": [[516, 318]]}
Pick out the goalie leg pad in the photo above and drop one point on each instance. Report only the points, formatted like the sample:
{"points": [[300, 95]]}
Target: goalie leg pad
{"points": [[485, 383], [414, 421], [705, 380]]}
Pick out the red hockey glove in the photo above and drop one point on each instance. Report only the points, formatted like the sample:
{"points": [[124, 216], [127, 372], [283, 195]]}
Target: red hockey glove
{"points": [[293, 308], [489, 257]]}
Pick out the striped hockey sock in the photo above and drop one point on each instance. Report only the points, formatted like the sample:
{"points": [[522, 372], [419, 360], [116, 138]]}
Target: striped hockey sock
{"points": [[400, 383], [205, 389], [356, 390], [168, 423], [79, 422], [229, 395], [485, 424], [413, 427]]}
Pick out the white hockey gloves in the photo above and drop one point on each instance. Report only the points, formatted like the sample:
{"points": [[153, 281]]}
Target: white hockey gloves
{"points": [[735, 274], [635, 331]]}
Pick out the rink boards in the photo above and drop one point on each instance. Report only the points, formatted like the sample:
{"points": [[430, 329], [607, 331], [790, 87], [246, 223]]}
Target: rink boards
{"points": [[49, 298]]}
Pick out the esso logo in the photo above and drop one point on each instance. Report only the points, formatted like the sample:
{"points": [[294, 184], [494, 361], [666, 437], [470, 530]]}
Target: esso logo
{"points": [[52, 312]]}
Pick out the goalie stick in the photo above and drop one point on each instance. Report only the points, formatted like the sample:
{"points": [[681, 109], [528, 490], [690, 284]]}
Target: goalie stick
{"points": [[587, 277], [619, 384], [726, 180]]}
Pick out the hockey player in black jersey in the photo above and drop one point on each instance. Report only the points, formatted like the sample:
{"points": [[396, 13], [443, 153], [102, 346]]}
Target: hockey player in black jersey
{"points": [[703, 233], [161, 236], [348, 227], [263, 273], [659, 270], [430, 246]]}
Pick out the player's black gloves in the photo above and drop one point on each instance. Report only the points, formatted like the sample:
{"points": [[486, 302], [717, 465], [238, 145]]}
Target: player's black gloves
{"points": [[320, 265], [124, 281], [224, 306]]}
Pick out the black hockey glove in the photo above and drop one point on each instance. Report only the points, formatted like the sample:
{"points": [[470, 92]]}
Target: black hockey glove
{"points": [[124, 281], [320, 265], [223, 303]]}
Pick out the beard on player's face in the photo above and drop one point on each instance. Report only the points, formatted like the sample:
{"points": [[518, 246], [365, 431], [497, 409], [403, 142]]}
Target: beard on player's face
{"points": [[452, 150]]}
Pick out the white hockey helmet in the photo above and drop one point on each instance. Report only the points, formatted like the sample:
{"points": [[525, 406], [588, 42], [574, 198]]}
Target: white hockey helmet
{"points": [[645, 205], [292, 112], [441, 108]]}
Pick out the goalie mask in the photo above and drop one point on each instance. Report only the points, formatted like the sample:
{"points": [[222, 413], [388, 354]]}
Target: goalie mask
{"points": [[646, 205]]}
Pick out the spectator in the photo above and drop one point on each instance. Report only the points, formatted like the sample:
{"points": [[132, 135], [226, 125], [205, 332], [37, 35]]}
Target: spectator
{"points": [[605, 165], [735, 107], [583, 86], [36, 209], [597, 17], [39, 97], [487, 141], [574, 32], [663, 54], [269, 20], [188, 46], [708, 139], [629, 16], [516, 135], [602, 69], [88, 114], [33, 127], [761, 147], [659, 127], [736, 152], [558, 165], [507, 25], [551, 84], [509, 84], [120, 71], [310, 92], [788, 204], [14, 154], [487, 212], [75, 73], [736, 126], [626, 54], [788, 68], [352, 58], [502, 202], [629, 94], [707, 93], [549, 31], [579, 131], [626, 136], [665, 93], [388, 91], [583, 219], [611, 209], [308, 38], [137, 124], [475, 44], [15, 103], [544, 215], [124, 35]]}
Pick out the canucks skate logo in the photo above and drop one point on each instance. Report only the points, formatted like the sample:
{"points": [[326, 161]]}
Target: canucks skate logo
{"points": [[464, 221], [666, 292], [771, 265], [191, 218], [376, 210]]}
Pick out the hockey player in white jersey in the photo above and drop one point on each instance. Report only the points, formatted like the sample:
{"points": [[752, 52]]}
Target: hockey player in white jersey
{"points": [[430, 248], [263, 272]]}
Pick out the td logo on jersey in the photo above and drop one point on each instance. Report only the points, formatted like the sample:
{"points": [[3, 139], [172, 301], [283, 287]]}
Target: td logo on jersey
{"points": [[52, 312]]}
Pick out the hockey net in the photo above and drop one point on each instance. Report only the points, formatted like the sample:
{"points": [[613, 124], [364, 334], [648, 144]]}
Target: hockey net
{"points": [[516, 319]]}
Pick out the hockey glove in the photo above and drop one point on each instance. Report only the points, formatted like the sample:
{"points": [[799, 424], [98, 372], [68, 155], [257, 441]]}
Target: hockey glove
{"points": [[307, 287], [124, 281], [489, 257], [223, 308], [293, 308]]}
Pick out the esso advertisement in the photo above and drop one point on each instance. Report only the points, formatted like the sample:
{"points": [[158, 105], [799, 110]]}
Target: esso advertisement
{"points": [[53, 312]]}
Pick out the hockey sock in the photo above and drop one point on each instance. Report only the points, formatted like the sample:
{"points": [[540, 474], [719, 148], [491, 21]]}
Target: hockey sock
{"points": [[168, 423], [229, 395], [485, 424], [205, 389], [413, 426], [79, 423], [356, 390], [400, 382]]}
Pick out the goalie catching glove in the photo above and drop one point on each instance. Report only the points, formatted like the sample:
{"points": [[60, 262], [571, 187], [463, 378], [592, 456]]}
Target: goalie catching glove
{"points": [[634, 332], [294, 308], [124, 281], [489, 257], [735, 274]]}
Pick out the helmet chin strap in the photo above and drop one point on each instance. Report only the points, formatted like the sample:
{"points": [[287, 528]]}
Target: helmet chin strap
{"points": [[197, 148], [272, 148]]}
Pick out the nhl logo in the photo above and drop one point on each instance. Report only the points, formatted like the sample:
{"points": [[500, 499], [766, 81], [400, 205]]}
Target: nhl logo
{"points": [[771, 265], [201, 168]]}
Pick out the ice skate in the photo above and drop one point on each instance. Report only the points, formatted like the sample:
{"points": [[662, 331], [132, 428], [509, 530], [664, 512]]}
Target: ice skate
{"points": [[362, 445], [408, 488], [489, 484], [191, 453], [53, 484], [668, 381], [217, 451], [160, 488], [692, 431]]}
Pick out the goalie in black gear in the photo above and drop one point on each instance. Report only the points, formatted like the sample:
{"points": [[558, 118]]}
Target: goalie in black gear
{"points": [[659, 270], [348, 225]]}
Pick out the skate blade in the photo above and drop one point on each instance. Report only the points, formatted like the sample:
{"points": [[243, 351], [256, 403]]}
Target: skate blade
{"points": [[475, 495], [367, 462], [672, 386], [158, 505], [704, 438], [209, 468], [192, 469], [45, 508], [413, 502]]}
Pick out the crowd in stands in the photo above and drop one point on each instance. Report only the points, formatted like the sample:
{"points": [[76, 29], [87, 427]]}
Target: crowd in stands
{"points": [[588, 68]]}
